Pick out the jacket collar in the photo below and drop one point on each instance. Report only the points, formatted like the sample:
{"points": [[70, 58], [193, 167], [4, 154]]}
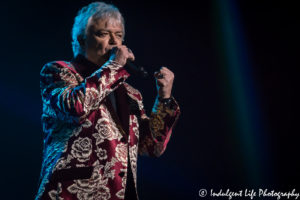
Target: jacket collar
{"points": [[83, 66]]}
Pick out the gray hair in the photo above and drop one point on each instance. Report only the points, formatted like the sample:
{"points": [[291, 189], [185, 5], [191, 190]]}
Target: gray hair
{"points": [[93, 11]]}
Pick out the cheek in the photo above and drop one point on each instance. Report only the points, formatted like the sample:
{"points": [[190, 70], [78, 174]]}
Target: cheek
{"points": [[100, 46], [96, 45]]}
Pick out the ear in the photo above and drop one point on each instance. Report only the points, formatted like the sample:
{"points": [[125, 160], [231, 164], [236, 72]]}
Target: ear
{"points": [[81, 41]]}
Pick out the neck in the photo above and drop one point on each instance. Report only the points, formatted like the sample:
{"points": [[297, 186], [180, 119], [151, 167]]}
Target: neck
{"points": [[99, 61], [84, 66]]}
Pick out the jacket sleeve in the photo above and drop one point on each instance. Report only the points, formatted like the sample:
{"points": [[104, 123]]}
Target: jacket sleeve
{"points": [[155, 131], [72, 100]]}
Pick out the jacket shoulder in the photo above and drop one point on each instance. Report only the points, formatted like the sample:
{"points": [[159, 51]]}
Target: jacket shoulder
{"points": [[55, 66]]}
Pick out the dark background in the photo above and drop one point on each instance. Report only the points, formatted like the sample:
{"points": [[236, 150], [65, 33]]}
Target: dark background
{"points": [[210, 148]]}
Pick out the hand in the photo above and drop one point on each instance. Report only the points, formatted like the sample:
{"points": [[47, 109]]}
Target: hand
{"points": [[120, 54], [164, 82]]}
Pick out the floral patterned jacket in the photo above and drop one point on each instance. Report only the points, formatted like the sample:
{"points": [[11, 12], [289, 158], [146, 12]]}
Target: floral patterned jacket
{"points": [[86, 144]]}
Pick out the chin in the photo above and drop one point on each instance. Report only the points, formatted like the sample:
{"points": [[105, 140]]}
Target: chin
{"points": [[105, 56]]}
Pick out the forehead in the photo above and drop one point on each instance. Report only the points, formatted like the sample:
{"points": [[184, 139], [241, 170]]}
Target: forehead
{"points": [[105, 24]]}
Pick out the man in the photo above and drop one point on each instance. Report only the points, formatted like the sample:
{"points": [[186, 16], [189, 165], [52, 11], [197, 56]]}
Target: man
{"points": [[93, 121]]}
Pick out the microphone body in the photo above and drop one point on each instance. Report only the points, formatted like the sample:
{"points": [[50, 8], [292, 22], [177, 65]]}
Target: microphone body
{"points": [[135, 69]]}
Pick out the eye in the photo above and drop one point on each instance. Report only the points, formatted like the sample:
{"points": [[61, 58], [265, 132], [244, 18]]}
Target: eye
{"points": [[101, 33], [119, 35]]}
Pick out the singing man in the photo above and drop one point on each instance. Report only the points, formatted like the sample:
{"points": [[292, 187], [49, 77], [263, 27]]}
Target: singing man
{"points": [[94, 123]]}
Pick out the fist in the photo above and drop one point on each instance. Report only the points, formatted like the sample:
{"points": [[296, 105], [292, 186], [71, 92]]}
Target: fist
{"points": [[164, 82], [120, 54]]}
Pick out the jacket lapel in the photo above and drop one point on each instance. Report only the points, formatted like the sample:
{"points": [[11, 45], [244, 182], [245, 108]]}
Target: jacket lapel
{"points": [[126, 105], [122, 107]]}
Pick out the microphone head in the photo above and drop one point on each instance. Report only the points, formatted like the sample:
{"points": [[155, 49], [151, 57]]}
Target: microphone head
{"points": [[144, 73]]}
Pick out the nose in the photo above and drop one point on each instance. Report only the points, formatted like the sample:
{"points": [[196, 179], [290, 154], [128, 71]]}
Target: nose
{"points": [[112, 40]]}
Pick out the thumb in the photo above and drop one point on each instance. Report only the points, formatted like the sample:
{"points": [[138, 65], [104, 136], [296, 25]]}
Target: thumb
{"points": [[158, 75]]}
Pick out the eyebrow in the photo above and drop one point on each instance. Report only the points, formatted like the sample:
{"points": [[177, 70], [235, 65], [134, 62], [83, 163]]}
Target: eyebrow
{"points": [[109, 31]]}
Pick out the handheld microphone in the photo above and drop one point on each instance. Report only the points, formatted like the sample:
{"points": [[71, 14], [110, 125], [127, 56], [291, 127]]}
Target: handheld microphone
{"points": [[136, 69]]}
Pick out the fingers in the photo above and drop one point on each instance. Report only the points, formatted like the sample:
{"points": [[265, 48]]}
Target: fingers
{"points": [[158, 75], [121, 54], [164, 73], [164, 80], [130, 54], [164, 77]]}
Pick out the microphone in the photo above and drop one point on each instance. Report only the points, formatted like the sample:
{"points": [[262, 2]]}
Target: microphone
{"points": [[136, 69]]}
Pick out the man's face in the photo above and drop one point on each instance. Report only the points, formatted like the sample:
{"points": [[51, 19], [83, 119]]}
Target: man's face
{"points": [[102, 35]]}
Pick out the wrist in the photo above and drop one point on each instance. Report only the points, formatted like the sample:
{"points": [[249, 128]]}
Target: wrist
{"points": [[114, 62], [114, 59], [165, 101], [163, 95]]}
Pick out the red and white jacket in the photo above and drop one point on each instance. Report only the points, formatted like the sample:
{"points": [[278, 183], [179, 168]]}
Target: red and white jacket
{"points": [[87, 143]]}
